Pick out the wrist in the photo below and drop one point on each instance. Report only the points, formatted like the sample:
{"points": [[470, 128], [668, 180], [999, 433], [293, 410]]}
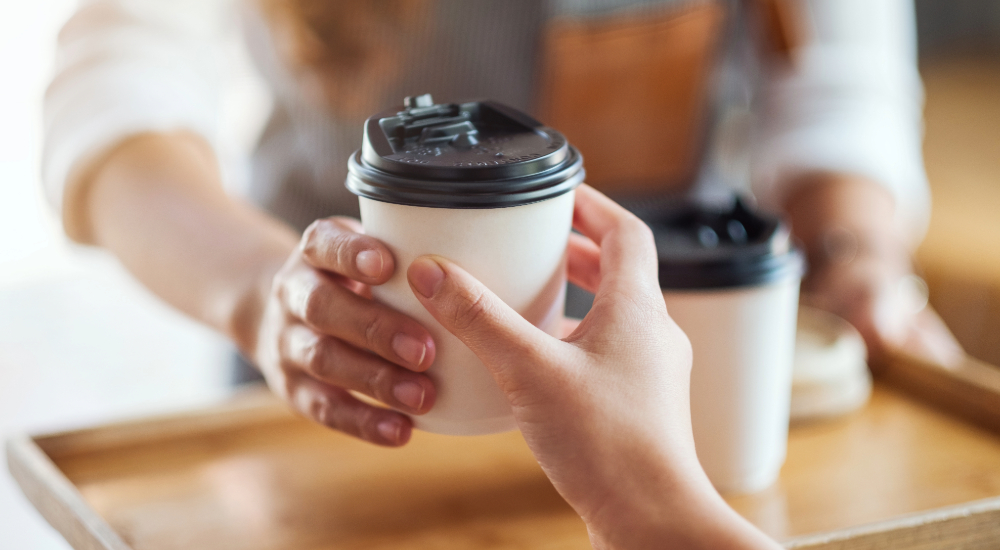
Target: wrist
{"points": [[157, 202], [649, 520], [839, 246], [840, 218], [689, 515], [244, 311], [659, 506]]}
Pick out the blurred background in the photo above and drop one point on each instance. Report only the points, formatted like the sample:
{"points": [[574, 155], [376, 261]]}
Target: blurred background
{"points": [[81, 343]]}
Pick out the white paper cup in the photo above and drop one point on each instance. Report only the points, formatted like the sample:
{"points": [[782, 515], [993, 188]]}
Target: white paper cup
{"points": [[733, 289], [743, 342], [488, 188], [517, 252]]}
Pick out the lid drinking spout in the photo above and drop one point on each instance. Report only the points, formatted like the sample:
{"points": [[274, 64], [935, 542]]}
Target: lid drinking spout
{"points": [[412, 102]]}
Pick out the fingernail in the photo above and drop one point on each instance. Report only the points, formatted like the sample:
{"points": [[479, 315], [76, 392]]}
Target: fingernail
{"points": [[389, 429], [426, 276], [369, 263], [409, 349], [410, 394]]}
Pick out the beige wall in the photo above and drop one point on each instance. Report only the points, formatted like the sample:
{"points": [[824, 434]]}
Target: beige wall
{"points": [[961, 254]]}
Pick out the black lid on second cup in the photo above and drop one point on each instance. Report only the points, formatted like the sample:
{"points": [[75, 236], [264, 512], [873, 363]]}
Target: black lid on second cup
{"points": [[702, 248], [480, 154]]}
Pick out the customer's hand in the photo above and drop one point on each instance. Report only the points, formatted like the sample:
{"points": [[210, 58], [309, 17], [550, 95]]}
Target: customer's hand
{"points": [[606, 410], [321, 335]]}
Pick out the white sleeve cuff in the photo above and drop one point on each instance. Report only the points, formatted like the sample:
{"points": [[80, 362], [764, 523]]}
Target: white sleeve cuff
{"points": [[109, 104], [851, 102], [126, 67]]}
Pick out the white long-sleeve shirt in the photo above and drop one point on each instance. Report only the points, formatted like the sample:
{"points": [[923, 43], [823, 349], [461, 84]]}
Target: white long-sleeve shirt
{"points": [[851, 101]]}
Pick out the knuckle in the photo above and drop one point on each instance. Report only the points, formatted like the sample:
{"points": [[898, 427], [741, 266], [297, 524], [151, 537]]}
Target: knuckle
{"points": [[288, 366], [314, 357], [637, 231], [638, 227], [314, 305], [284, 341], [285, 386], [282, 385], [281, 277], [337, 413], [280, 285], [374, 329], [348, 419], [277, 289], [329, 246], [678, 340], [321, 409], [647, 234], [341, 252], [470, 310], [308, 241], [378, 382], [365, 423], [534, 354]]}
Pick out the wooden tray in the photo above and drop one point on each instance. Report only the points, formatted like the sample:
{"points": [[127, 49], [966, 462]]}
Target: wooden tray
{"points": [[248, 475]]}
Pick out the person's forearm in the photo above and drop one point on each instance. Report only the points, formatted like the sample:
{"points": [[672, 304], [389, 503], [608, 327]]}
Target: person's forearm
{"points": [[157, 203]]}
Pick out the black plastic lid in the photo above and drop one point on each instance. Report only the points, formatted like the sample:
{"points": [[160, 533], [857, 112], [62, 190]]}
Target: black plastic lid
{"points": [[479, 154], [703, 248]]}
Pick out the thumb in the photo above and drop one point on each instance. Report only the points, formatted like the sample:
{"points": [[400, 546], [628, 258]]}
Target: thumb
{"points": [[497, 334]]}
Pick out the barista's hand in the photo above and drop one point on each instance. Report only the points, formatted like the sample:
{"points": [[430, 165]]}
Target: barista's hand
{"points": [[886, 302], [860, 266], [321, 335], [606, 410]]}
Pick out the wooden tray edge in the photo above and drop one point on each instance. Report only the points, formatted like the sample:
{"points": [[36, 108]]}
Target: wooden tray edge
{"points": [[254, 406], [969, 526], [969, 390], [57, 499]]}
